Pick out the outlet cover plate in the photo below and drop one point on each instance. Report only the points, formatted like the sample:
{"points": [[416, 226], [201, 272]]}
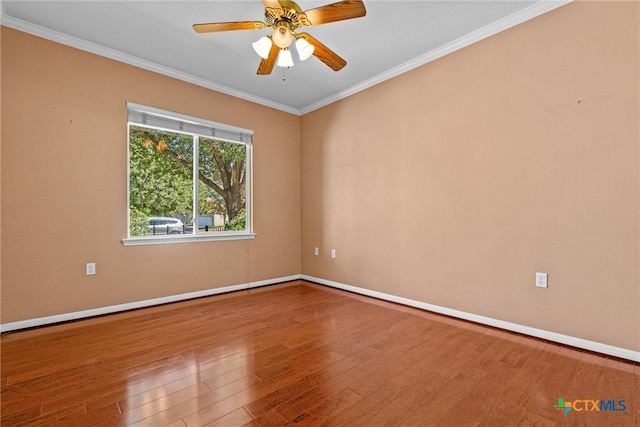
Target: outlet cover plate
{"points": [[541, 280], [90, 268]]}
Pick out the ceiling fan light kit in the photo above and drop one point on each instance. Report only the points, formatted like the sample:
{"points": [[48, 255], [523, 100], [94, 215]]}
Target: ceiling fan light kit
{"points": [[282, 36], [304, 48], [284, 59], [262, 47], [284, 17]]}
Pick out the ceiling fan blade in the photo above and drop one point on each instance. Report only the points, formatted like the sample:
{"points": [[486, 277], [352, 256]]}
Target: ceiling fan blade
{"points": [[228, 26], [266, 65], [323, 53], [274, 4], [339, 11]]}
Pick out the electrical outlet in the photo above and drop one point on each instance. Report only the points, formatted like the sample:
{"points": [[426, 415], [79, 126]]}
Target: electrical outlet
{"points": [[316, 251], [90, 268], [333, 253], [541, 280]]}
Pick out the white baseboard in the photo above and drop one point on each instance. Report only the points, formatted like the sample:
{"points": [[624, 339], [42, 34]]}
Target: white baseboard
{"points": [[527, 330], [41, 321]]}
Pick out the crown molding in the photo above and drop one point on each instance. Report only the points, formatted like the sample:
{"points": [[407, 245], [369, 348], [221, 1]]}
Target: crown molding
{"points": [[498, 26], [512, 20], [37, 30]]}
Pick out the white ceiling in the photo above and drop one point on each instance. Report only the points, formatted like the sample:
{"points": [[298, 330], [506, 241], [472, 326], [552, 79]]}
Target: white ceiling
{"points": [[394, 37]]}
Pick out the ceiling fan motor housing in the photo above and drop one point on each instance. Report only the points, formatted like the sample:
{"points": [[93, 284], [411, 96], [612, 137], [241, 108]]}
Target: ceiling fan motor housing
{"points": [[289, 12], [284, 21]]}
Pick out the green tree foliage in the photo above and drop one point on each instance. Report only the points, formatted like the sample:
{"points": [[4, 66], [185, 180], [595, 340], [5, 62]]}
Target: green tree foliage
{"points": [[238, 223], [222, 168], [156, 186], [161, 184]]}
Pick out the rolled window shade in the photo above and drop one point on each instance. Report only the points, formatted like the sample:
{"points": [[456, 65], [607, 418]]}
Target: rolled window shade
{"points": [[168, 120]]}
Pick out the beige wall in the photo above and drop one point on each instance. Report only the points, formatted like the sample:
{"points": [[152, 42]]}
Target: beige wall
{"points": [[451, 184], [454, 183], [64, 182]]}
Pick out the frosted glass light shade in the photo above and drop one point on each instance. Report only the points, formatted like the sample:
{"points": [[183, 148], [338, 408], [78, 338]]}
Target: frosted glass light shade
{"points": [[284, 59], [282, 37], [262, 47], [304, 48]]}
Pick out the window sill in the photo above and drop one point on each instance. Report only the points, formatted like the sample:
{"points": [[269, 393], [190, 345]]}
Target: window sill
{"points": [[185, 238]]}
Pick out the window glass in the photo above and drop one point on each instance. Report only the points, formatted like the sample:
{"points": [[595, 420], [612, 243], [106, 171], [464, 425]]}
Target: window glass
{"points": [[182, 182], [222, 180]]}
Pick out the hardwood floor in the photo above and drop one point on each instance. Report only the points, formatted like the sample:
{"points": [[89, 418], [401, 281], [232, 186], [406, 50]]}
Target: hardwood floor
{"points": [[301, 354]]}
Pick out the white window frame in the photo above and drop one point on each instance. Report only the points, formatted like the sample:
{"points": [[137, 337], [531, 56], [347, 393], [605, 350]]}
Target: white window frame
{"points": [[156, 118]]}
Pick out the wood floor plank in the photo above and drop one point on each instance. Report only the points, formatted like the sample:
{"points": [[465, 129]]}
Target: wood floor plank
{"points": [[398, 410], [300, 354], [135, 400], [164, 403], [448, 395], [18, 416], [332, 404], [334, 379], [238, 417], [362, 411], [268, 419]]}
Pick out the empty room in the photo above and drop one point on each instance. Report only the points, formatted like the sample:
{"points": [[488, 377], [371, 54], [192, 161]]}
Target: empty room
{"points": [[358, 213]]}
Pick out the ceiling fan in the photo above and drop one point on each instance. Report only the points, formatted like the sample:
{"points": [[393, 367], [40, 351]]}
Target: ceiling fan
{"points": [[285, 17]]}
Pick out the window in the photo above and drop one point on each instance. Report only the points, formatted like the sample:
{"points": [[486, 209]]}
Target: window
{"points": [[189, 178]]}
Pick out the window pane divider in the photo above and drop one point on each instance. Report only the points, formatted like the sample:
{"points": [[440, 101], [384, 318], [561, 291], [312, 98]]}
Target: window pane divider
{"points": [[196, 184]]}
